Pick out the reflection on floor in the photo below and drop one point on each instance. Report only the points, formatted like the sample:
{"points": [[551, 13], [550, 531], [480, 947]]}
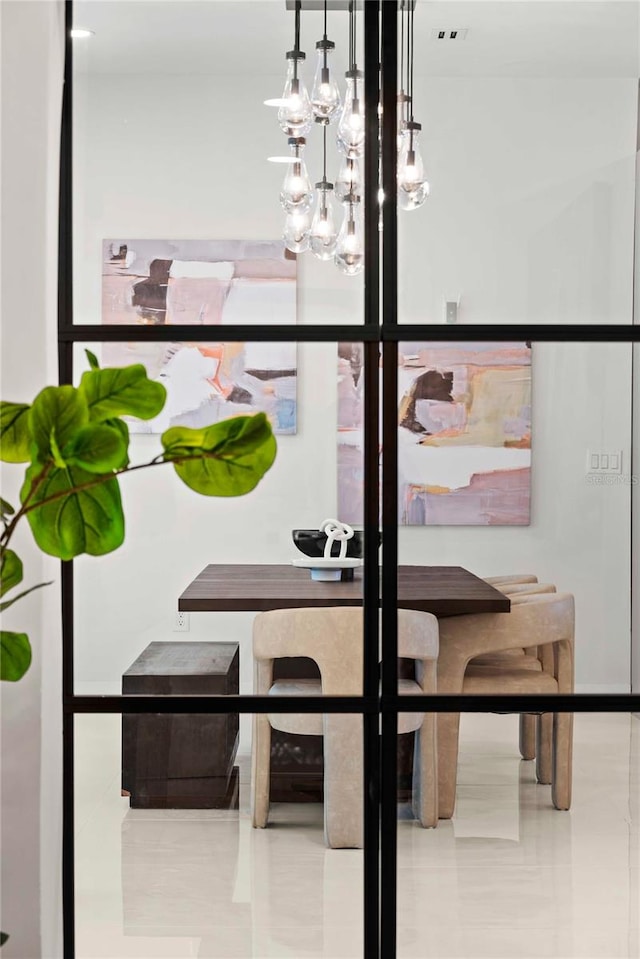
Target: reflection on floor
{"points": [[508, 877]]}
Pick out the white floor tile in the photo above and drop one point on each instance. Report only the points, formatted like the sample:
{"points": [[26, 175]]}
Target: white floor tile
{"points": [[508, 878]]}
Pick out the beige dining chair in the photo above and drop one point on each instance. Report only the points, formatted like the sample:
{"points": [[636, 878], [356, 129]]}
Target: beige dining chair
{"points": [[514, 586], [332, 637], [514, 578], [539, 620]]}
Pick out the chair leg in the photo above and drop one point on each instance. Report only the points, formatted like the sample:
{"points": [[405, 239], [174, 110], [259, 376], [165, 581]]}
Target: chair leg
{"points": [[260, 771], [448, 733], [425, 773], [343, 781], [527, 736], [544, 761], [562, 760]]}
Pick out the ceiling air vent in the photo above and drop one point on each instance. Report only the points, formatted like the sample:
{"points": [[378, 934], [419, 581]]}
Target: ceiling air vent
{"points": [[450, 33]]}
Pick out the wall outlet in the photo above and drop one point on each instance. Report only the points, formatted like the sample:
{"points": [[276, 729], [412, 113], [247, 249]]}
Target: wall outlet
{"points": [[181, 624], [451, 305]]}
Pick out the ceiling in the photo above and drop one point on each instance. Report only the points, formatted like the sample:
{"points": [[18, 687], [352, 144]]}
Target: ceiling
{"points": [[507, 38]]}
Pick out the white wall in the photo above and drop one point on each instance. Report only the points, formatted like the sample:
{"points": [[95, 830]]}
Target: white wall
{"points": [[31, 709], [531, 213], [531, 218]]}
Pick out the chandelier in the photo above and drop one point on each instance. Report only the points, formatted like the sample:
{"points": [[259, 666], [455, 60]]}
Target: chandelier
{"points": [[310, 222]]}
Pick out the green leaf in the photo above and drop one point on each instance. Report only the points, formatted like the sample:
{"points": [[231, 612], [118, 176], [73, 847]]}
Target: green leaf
{"points": [[77, 521], [123, 430], [93, 360], [97, 448], [122, 392], [14, 599], [3, 938], [14, 433], [15, 655], [10, 570], [226, 459], [6, 509], [58, 412]]}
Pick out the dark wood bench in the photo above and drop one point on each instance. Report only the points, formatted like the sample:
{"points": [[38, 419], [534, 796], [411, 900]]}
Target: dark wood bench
{"points": [[180, 760]]}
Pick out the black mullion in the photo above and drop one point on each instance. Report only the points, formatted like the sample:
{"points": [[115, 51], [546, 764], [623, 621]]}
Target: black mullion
{"points": [[392, 332], [65, 186], [516, 703], [331, 333], [389, 739], [221, 704], [371, 495], [65, 375], [68, 837], [278, 333], [65, 371], [534, 332], [367, 705]]}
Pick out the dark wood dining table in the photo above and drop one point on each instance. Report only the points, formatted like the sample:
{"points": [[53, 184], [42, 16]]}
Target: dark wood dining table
{"points": [[441, 590], [296, 761]]}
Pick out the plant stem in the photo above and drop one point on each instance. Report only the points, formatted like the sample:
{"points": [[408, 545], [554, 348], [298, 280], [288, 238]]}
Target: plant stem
{"points": [[10, 527], [103, 477]]}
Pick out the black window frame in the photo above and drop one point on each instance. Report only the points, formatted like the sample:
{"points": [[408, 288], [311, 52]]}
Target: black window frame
{"points": [[380, 332]]}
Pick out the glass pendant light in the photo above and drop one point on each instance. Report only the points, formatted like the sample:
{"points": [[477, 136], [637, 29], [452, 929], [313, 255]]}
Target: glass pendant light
{"points": [[351, 126], [296, 195], [349, 257], [295, 114], [323, 234], [349, 179], [413, 188], [296, 231], [325, 95], [350, 137]]}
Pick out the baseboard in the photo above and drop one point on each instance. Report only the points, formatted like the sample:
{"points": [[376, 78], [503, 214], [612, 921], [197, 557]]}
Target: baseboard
{"points": [[595, 688]]}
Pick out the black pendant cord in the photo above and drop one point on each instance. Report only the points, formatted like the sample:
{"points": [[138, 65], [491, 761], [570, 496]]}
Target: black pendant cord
{"points": [[324, 37], [402, 48], [410, 72], [324, 152], [403, 86], [296, 41], [351, 47], [355, 47]]}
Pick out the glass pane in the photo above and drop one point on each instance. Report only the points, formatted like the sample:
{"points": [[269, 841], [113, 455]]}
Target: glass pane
{"points": [[183, 878], [177, 211], [516, 492], [515, 464], [261, 551], [529, 148], [509, 874]]}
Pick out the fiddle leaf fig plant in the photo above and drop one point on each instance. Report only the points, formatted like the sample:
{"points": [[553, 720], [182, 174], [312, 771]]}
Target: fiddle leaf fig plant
{"points": [[76, 447]]}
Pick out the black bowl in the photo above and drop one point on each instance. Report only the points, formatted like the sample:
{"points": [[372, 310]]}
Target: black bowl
{"points": [[311, 542]]}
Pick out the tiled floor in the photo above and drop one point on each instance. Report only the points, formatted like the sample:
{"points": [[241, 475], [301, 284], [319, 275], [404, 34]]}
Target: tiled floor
{"points": [[508, 878]]}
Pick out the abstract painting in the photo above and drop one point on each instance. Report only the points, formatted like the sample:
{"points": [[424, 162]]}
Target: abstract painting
{"points": [[464, 434], [205, 283]]}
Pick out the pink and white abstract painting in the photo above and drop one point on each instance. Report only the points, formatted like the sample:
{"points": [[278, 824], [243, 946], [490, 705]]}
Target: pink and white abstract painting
{"points": [[464, 434], [205, 283]]}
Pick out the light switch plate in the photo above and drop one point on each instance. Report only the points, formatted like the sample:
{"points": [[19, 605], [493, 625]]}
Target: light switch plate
{"points": [[604, 461]]}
